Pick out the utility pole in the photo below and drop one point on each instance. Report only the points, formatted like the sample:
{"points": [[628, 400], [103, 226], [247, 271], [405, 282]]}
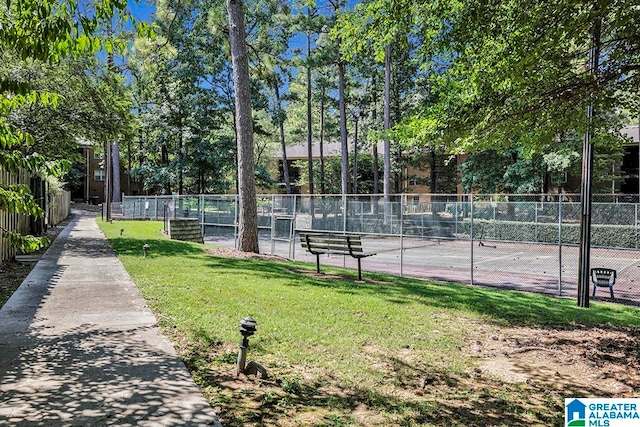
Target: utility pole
{"points": [[587, 175]]}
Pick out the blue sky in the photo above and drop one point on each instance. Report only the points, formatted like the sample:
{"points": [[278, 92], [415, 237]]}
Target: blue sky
{"points": [[142, 9]]}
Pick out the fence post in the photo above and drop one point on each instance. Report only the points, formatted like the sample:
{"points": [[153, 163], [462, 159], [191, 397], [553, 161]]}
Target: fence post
{"points": [[560, 244], [273, 224], [202, 214], [235, 221], [471, 234], [535, 213], [292, 243], [494, 205], [344, 224], [143, 208], [401, 235], [166, 219], [455, 227], [344, 214]]}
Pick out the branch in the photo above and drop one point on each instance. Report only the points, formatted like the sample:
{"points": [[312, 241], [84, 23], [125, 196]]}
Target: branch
{"points": [[168, 32]]}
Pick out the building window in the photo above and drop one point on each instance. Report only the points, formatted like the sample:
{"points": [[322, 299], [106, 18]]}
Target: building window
{"points": [[413, 181], [97, 155], [98, 175]]}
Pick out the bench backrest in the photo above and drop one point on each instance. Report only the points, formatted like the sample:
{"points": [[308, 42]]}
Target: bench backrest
{"points": [[331, 243], [603, 276]]}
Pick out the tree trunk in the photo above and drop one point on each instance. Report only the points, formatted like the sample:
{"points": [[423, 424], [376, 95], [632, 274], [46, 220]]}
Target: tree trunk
{"points": [[116, 191], [312, 208], [128, 190], [165, 162], [343, 129], [283, 145], [387, 125], [399, 175], [248, 213], [399, 181], [374, 118], [433, 184], [180, 160], [309, 123], [355, 157], [106, 204], [323, 188]]}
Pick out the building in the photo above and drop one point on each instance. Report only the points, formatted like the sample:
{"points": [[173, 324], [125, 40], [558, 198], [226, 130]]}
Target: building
{"points": [[415, 177], [91, 186], [297, 153], [630, 168]]}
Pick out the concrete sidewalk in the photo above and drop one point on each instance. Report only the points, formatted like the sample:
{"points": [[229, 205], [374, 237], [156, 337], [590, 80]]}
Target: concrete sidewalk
{"points": [[79, 346]]}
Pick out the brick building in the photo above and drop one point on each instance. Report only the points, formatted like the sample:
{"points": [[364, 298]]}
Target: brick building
{"points": [[92, 186]]}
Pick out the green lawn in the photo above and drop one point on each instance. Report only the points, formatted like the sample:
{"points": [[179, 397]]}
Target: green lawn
{"points": [[340, 352]]}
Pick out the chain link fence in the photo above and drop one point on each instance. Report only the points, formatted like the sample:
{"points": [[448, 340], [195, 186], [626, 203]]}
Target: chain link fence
{"points": [[523, 242]]}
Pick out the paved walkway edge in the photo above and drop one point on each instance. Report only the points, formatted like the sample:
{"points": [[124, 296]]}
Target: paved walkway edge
{"points": [[79, 346]]}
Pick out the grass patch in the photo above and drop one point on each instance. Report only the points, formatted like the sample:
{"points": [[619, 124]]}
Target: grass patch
{"points": [[385, 351]]}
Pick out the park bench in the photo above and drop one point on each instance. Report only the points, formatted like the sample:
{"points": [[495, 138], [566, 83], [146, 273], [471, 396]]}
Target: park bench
{"points": [[338, 244], [603, 277]]}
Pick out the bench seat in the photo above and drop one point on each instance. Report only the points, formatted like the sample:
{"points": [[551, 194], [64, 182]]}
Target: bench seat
{"points": [[337, 244]]}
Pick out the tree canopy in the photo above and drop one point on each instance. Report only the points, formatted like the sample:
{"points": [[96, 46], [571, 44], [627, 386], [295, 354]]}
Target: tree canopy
{"points": [[33, 36], [513, 73], [431, 78]]}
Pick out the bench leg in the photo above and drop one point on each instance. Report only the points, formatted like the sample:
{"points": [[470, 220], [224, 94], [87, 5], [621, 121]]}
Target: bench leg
{"points": [[611, 289], [318, 263], [359, 270], [594, 291]]}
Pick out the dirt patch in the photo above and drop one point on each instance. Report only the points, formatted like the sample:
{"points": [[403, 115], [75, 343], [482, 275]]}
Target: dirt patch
{"points": [[519, 374], [12, 273], [605, 361], [233, 253]]}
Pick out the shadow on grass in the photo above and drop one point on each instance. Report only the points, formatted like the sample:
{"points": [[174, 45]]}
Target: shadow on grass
{"points": [[503, 306], [157, 247], [447, 399], [475, 402]]}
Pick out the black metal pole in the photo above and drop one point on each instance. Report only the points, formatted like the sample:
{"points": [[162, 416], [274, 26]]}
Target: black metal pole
{"points": [[587, 175], [585, 223]]}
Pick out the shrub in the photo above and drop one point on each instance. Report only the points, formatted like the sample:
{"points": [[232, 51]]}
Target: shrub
{"points": [[615, 236]]}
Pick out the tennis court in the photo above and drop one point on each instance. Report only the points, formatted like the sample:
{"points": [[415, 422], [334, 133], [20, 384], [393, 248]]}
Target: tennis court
{"points": [[523, 242], [547, 269]]}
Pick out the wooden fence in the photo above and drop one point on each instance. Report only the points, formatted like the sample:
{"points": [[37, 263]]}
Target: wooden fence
{"points": [[58, 208], [11, 221]]}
